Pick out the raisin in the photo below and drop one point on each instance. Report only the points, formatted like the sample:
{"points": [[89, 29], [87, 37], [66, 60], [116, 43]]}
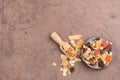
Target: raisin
{"points": [[102, 51], [109, 51], [88, 45], [90, 59], [72, 69], [91, 48], [100, 63], [84, 50], [98, 38], [109, 47], [94, 58]]}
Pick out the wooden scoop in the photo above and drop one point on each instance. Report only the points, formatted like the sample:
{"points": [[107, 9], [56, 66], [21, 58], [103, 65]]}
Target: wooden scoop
{"points": [[66, 48]]}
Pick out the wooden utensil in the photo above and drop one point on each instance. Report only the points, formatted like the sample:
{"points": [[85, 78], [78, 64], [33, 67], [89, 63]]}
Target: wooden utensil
{"points": [[66, 48]]}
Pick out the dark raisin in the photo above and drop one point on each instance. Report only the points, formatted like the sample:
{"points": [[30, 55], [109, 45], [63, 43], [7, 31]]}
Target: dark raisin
{"points": [[109, 51], [100, 63], [84, 50], [91, 64], [68, 59], [90, 59], [91, 48], [93, 57], [102, 51], [97, 38], [72, 69], [88, 44]]}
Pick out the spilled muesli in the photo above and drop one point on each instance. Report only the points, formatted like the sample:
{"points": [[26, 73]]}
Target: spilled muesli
{"points": [[71, 52]]}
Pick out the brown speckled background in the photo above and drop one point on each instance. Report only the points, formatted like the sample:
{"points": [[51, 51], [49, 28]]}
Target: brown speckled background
{"points": [[26, 50]]}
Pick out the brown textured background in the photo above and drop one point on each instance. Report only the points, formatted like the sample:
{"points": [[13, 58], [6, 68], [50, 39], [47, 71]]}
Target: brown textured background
{"points": [[26, 50]]}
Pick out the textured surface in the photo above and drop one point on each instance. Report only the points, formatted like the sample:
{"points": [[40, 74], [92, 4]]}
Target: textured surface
{"points": [[26, 50]]}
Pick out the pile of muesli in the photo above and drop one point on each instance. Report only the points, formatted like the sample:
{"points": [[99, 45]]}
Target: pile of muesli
{"points": [[97, 53]]}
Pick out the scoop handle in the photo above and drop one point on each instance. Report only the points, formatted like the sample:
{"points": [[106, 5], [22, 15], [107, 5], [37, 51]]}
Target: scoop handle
{"points": [[57, 38]]}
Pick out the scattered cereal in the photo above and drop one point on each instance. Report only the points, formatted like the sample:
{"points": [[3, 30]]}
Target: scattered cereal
{"points": [[54, 64]]}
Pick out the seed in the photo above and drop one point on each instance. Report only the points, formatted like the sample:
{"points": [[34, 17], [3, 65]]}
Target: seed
{"points": [[54, 64], [64, 74], [63, 56], [61, 69]]}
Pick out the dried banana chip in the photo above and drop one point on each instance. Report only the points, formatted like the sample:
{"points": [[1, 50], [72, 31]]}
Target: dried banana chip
{"points": [[74, 37], [79, 44]]}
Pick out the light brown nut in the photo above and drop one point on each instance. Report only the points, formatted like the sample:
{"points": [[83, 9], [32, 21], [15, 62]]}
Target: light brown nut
{"points": [[72, 62], [88, 50], [107, 63], [86, 55], [74, 37], [78, 52]]}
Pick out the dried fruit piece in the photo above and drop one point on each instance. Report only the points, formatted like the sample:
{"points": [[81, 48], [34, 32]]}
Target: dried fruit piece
{"points": [[98, 38], [72, 69], [100, 63], [104, 43], [109, 46], [69, 52], [107, 63], [97, 51], [79, 44], [108, 58], [54, 64], [64, 62], [74, 37]]}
